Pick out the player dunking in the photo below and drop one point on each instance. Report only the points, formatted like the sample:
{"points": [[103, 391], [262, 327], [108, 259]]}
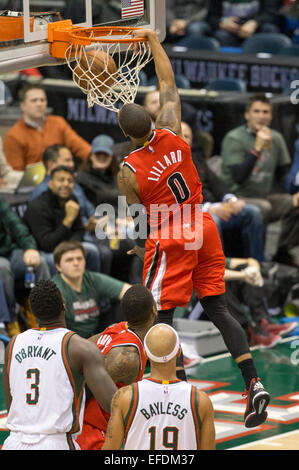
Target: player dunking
{"points": [[161, 171], [162, 412], [122, 346]]}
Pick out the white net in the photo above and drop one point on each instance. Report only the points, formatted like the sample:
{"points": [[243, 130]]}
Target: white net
{"points": [[108, 73]]}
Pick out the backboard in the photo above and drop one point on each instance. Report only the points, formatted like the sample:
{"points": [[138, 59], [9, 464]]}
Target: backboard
{"points": [[24, 28]]}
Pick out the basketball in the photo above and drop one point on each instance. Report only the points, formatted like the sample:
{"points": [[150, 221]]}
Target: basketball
{"points": [[96, 63]]}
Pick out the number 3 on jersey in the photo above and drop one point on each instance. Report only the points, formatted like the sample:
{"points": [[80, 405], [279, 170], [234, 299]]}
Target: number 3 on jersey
{"points": [[178, 187], [32, 399]]}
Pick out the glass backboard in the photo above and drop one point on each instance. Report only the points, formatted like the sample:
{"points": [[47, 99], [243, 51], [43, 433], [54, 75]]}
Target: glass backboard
{"points": [[24, 25]]}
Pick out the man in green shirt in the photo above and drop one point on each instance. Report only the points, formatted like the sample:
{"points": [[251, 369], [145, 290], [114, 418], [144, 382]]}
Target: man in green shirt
{"points": [[85, 292], [255, 163]]}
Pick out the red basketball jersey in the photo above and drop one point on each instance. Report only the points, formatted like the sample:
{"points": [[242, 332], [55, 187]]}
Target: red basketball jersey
{"points": [[114, 336], [165, 174]]}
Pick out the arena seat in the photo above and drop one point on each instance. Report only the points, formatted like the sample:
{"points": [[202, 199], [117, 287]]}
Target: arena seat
{"points": [[227, 84], [292, 51], [270, 43], [199, 43], [180, 80]]}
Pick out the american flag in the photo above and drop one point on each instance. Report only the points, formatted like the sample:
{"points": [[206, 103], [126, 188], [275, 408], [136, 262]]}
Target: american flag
{"points": [[132, 8]]}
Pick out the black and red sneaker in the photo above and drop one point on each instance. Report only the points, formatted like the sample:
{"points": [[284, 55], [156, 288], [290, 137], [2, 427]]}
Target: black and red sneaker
{"points": [[257, 401]]}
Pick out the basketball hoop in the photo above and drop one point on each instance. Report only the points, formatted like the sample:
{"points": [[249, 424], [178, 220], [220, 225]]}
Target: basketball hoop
{"points": [[105, 62]]}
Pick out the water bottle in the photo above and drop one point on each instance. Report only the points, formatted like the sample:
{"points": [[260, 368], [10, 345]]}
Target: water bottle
{"points": [[29, 277]]}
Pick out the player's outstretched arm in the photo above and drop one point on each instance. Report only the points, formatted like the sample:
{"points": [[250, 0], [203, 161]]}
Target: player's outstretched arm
{"points": [[86, 357], [206, 413], [116, 427], [170, 113]]}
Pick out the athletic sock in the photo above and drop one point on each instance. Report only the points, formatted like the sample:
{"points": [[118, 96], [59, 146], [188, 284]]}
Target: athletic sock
{"points": [[248, 371]]}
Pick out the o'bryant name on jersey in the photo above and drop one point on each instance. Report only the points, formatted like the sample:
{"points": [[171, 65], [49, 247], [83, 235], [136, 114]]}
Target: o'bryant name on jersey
{"points": [[160, 167], [158, 409], [34, 351]]}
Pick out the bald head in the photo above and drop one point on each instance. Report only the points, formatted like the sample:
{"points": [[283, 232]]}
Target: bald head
{"points": [[134, 120], [161, 343]]}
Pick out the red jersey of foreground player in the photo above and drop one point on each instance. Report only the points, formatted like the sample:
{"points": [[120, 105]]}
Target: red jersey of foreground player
{"points": [[95, 418], [166, 175]]}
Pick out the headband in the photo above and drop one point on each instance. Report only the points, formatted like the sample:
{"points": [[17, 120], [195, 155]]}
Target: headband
{"points": [[171, 355]]}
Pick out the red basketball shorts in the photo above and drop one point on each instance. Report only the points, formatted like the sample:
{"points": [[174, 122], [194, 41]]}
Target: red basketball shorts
{"points": [[172, 271]]}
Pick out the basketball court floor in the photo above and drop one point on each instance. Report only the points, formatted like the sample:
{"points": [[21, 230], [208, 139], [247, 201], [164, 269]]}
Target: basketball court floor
{"points": [[218, 375]]}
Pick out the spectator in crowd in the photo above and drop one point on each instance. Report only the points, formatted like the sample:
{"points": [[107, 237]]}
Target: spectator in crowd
{"points": [[8, 177], [289, 19], [228, 212], [247, 302], [98, 177], [85, 291], [186, 18], [152, 104], [97, 174], [54, 217], [244, 289], [18, 250], [26, 141], [233, 21], [255, 163], [57, 155]]}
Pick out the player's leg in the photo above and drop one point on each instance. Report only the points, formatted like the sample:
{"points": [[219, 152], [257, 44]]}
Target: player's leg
{"points": [[166, 316], [168, 274], [210, 287]]}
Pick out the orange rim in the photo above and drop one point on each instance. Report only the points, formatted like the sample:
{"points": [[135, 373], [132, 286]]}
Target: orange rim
{"points": [[82, 35]]}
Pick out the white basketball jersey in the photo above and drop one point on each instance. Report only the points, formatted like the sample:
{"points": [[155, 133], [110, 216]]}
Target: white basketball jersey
{"points": [[48, 395], [162, 416]]}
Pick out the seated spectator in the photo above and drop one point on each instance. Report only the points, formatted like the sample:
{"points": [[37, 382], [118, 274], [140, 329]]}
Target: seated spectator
{"points": [[97, 175], [244, 289], [8, 177], [228, 212], [151, 103], [246, 300], [85, 292], [18, 250], [233, 21], [186, 18], [98, 178], [27, 140], [57, 155], [54, 216], [255, 162], [289, 19]]}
